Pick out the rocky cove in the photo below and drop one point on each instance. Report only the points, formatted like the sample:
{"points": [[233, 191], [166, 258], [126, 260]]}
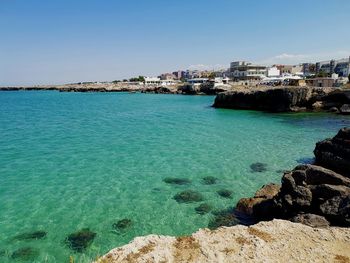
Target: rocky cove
{"points": [[305, 219], [81, 239]]}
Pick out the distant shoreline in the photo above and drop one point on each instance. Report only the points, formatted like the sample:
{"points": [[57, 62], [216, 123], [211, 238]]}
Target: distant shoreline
{"points": [[261, 98], [183, 88]]}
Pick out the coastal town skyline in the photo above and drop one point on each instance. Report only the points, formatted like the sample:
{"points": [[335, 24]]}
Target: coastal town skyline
{"points": [[122, 41]]}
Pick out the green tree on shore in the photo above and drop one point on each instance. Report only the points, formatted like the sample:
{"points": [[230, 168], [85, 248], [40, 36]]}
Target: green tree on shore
{"points": [[322, 74], [138, 79]]}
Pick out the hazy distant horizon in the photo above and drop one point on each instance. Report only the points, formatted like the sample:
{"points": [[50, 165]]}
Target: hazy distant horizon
{"points": [[60, 42]]}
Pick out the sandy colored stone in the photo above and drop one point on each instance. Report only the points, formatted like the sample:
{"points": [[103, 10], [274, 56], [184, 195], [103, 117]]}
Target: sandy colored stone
{"points": [[268, 191], [273, 241]]}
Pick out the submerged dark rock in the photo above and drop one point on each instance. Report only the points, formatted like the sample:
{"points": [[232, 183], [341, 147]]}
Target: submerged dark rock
{"points": [[225, 193], [225, 217], [122, 224], [209, 180], [306, 160], [25, 254], [31, 235], [80, 240], [179, 181], [188, 196], [282, 171], [203, 209], [258, 167]]}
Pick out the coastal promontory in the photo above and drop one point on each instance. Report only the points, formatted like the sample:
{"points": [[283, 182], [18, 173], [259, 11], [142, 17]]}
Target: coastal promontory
{"points": [[285, 99]]}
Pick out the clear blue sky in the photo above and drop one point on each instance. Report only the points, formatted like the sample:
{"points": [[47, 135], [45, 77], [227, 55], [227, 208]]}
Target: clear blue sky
{"points": [[60, 41]]}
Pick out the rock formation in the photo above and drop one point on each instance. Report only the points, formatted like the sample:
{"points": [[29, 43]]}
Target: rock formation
{"points": [[310, 194], [274, 99], [274, 241], [335, 153], [285, 99], [202, 89]]}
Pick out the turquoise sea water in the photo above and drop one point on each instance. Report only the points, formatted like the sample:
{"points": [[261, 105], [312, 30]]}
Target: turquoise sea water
{"points": [[86, 160]]}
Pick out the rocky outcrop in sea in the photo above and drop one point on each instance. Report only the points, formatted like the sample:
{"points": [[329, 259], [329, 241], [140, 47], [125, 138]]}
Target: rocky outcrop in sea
{"points": [[286, 99], [314, 194]]}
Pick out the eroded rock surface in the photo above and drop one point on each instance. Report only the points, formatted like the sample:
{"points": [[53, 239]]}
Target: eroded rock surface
{"points": [[285, 99], [273, 99], [335, 153], [274, 241]]}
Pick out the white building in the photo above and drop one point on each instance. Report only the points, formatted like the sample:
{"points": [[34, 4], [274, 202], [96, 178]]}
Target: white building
{"points": [[152, 81], [340, 66], [273, 72], [169, 82], [242, 70], [197, 80]]}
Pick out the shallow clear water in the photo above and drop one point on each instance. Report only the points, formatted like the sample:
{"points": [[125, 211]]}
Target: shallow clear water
{"points": [[74, 160]]}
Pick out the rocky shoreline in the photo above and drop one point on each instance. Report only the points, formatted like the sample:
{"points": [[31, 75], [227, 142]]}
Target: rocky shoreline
{"points": [[286, 99], [185, 89], [261, 98], [315, 194], [305, 219]]}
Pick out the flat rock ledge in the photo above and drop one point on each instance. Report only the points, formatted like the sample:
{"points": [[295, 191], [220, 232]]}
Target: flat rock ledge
{"points": [[273, 241]]}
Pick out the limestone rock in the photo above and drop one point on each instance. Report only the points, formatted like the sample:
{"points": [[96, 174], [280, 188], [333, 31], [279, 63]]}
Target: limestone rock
{"points": [[246, 205], [274, 241], [260, 204], [268, 191], [311, 220]]}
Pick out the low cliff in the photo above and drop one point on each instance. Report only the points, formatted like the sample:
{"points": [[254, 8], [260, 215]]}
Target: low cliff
{"points": [[274, 241], [276, 99], [284, 99]]}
